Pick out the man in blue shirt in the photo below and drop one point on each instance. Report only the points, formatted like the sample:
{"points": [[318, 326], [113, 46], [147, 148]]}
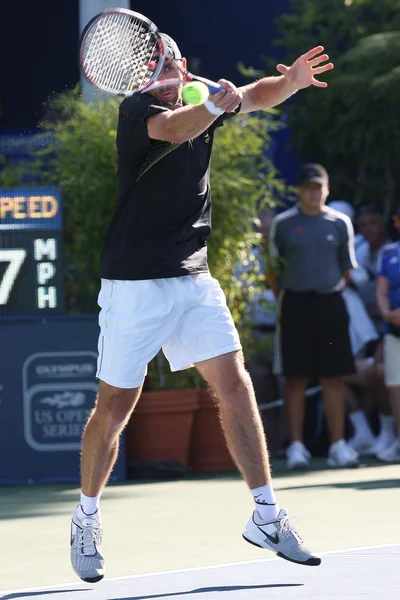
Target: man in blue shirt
{"points": [[388, 300]]}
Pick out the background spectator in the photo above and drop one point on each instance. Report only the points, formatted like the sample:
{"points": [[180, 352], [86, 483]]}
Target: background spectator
{"points": [[388, 299], [359, 387], [365, 391], [313, 249], [371, 226]]}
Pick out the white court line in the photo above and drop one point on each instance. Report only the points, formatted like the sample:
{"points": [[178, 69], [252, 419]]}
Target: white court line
{"points": [[193, 569]]}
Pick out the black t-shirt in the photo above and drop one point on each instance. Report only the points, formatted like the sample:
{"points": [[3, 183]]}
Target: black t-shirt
{"points": [[162, 218]]}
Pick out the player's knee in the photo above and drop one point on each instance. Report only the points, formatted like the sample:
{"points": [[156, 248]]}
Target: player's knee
{"points": [[113, 410], [238, 385]]}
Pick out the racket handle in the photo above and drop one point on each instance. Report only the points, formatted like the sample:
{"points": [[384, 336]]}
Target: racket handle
{"points": [[213, 87]]}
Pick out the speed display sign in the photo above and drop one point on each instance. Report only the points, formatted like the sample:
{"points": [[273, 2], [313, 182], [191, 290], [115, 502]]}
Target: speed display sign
{"points": [[31, 277]]}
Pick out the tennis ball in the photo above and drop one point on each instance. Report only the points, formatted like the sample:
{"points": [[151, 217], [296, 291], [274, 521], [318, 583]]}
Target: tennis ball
{"points": [[195, 92]]}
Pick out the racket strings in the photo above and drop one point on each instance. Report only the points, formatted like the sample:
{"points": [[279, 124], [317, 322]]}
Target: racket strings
{"points": [[118, 53]]}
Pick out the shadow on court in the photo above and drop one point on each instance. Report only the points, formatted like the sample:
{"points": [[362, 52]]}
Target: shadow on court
{"points": [[377, 484], [223, 588], [35, 501], [206, 590], [42, 500], [38, 594]]}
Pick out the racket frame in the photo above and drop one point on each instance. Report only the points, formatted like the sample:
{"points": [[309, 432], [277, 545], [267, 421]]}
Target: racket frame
{"points": [[152, 29], [163, 49]]}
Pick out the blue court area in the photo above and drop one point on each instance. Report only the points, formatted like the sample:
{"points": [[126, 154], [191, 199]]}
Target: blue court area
{"points": [[343, 575]]}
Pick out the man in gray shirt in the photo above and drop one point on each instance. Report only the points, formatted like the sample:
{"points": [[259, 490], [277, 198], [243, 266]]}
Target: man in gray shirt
{"points": [[312, 251]]}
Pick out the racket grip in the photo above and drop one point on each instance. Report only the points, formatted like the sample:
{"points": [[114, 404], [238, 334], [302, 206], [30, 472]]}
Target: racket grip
{"points": [[213, 87]]}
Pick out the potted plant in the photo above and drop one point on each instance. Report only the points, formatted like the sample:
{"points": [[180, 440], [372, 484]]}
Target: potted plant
{"points": [[160, 428], [208, 452]]}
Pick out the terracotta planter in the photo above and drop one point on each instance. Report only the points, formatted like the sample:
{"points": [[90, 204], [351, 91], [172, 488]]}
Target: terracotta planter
{"points": [[161, 426], [208, 450]]}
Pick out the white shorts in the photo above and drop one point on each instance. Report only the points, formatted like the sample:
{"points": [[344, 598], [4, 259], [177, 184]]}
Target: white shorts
{"points": [[391, 360], [185, 316]]}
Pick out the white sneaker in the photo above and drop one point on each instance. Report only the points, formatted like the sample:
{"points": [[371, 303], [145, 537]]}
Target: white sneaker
{"points": [[342, 456], [281, 537], [298, 457], [383, 443], [363, 444], [391, 454], [86, 556]]}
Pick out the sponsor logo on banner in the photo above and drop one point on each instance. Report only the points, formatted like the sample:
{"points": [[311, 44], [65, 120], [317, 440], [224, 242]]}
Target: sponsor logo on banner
{"points": [[59, 393]]}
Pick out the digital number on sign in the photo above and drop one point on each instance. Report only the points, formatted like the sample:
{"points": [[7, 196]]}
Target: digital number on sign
{"points": [[30, 252], [15, 259]]}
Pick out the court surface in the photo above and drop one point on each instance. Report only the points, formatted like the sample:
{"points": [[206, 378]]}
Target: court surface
{"points": [[359, 573], [160, 538]]}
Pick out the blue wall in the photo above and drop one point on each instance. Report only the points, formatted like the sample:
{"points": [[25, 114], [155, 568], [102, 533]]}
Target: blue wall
{"points": [[220, 33], [38, 46]]}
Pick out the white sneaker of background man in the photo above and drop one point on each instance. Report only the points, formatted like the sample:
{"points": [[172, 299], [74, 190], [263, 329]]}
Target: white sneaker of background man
{"points": [[298, 457], [341, 455], [386, 436], [390, 455], [363, 439]]}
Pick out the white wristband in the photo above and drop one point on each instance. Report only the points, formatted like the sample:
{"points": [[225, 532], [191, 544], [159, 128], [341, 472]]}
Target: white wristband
{"points": [[214, 110]]}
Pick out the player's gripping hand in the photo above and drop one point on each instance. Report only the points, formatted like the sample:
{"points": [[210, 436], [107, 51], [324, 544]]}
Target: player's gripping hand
{"points": [[227, 99]]}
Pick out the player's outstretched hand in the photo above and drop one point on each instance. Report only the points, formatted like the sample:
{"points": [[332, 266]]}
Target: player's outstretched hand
{"points": [[303, 71], [227, 99]]}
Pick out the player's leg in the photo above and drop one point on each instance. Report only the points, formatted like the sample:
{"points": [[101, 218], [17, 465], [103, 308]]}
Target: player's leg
{"points": [[135, 319], [240, 417], [334, 359], [268, 527], [100, 445], [206, 337], [100, 441]]}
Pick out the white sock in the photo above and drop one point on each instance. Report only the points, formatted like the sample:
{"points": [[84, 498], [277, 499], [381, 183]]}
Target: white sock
{"points": [[387, 425], [266, 504], [89, 504], [360, 423]]}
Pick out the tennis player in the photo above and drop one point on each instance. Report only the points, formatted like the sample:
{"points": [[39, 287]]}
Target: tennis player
{"points": [[157, 292]]}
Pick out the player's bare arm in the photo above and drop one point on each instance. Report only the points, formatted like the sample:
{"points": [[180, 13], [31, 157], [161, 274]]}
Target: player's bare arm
{"points": [[184, 123], [271, 91]]}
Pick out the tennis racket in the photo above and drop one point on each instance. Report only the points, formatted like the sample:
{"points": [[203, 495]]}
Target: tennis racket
{"points": [[122, 52]]}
